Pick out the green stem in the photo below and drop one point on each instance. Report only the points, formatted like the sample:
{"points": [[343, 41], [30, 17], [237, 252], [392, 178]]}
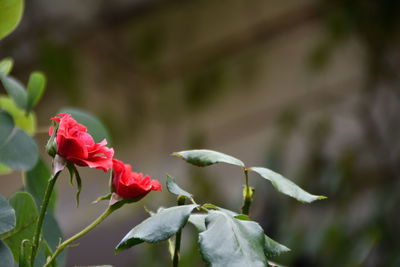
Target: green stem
{"points": [[175, 260], [247, 195], [178, 236], [43, 210], [65, 244]]}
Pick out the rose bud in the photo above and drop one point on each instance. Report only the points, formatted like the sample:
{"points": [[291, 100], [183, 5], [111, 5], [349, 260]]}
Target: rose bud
{"points": [[128, 184], [76, 145]]}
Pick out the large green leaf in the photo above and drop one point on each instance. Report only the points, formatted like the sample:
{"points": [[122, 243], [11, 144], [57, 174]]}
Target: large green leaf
{"points": [[21, 119], [36, 86], [205, 157], [285, 186], [36, 181], [10, 15], [95, 127], [160, 226], [6, 65], [231, 242], [17, 149], [6, 257], [271, 247], [174, 188], [27, 214], [7, 216], [40, 259], [15, 89], [198, 220]]}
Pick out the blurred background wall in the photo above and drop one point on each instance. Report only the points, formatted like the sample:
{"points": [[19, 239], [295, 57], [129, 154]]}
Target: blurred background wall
{"points": [[308, 88]]}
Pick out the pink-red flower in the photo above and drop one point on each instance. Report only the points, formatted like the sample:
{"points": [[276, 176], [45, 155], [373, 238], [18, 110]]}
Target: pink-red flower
{"points": [[129, 184], [76, 145]]}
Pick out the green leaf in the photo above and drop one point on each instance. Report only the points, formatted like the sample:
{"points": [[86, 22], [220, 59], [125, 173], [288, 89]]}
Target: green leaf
{"points": [[7, 216], [27, 214], [210, 206], [174, 188], [36, 181], [226, 211], [15, 90], [52, 235], [231, 242], [6, 256], [117, 201], [243, 217], [4, 169], [51, 231], [101, 198], [273, 248], [36, 86], [159, 227], [286, 186], [205, 157], [10, 15], [17, 149], [198, 220], [51, 145], [95, 127], [71, 171], [21, 120], [78, 184], [6, 65], [42, 254]]}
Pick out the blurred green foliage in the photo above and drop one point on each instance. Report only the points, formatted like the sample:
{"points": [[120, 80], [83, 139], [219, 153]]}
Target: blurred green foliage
{"points": [[60, 64], [10, 16]]}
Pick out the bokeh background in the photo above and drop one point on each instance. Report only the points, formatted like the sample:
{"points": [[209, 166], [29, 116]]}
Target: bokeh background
{"points": [[308, 88]]}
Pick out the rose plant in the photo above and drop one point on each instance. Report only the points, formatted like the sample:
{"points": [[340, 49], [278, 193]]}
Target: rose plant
{"points": [[72, 144], [241, 240], [29, 232]]}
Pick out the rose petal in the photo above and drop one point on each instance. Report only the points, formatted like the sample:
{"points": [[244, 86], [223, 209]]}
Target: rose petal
{"points": [[71, 148], [78, 146], [130, 184]]}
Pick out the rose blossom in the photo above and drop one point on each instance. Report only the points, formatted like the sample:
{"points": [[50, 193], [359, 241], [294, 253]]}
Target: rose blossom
{"points": [[128, 184], [78, 146]]}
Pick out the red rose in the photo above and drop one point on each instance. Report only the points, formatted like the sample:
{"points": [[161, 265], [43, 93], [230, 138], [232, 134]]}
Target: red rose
{"points": [[128, 184], [77, 146]]}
